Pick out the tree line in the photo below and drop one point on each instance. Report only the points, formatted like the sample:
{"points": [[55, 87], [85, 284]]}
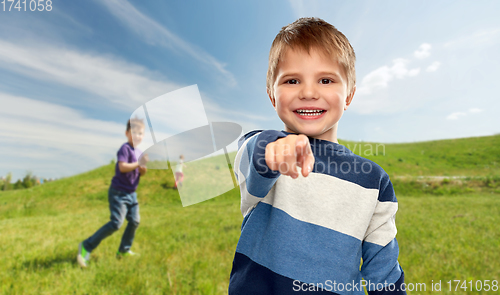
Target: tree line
{"points": [[28, 181]]}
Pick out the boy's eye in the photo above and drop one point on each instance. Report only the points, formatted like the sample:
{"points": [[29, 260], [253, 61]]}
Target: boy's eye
{"points": [[326, 81], [292, 81]]}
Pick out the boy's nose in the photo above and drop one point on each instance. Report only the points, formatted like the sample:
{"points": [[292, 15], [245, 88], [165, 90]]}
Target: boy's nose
{"points": [[308, 91]]}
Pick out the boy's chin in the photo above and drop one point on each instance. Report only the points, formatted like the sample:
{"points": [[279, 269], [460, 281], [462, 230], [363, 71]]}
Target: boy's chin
{"points": [[320, 135], [307, 132]]}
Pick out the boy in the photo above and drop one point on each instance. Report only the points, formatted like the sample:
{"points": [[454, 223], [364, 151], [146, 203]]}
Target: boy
{"points": [[121, 196], [312, 209]]}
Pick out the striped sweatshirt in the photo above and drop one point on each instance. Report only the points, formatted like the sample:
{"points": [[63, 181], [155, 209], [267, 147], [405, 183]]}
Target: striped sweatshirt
{"points": [[332, 232]]}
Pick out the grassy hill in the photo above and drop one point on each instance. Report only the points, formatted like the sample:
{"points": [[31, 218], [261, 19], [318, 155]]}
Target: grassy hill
{"points": [[448, 230], [473, 156], [183, 250]]}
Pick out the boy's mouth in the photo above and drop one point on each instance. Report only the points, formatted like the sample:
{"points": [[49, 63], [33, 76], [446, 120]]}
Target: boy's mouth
{"points": [[309, 112]]}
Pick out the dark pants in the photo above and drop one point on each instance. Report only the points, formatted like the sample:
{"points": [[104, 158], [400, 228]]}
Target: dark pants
{"points": [[123, 206]]}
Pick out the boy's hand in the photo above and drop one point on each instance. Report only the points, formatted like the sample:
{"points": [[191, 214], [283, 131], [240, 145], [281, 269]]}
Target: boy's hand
{"points": [[143, 160], [285, 154], [143, 170]]}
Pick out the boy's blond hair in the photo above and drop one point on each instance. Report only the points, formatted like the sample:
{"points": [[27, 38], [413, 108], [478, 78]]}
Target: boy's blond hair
{"points": [[312, 32]]}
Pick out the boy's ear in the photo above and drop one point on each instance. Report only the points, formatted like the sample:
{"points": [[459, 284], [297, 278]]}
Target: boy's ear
{"points": [[273, 101], [348, 100]]}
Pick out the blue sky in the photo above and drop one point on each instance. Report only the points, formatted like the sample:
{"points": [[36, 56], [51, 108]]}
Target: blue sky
{"points": [[71, 77]]}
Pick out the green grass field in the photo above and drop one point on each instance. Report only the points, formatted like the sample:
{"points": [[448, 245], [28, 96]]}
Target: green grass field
{"points": [[475, 156], [448, 228]]}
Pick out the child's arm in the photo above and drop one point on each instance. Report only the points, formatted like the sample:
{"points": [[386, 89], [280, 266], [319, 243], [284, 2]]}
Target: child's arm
{"points": [[254, 174], [380, 247], [127, 167], [285, 154]]}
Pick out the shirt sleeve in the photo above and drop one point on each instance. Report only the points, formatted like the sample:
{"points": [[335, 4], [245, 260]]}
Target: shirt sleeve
{"points": [[122, 155], [255, 177], [380, 248]]}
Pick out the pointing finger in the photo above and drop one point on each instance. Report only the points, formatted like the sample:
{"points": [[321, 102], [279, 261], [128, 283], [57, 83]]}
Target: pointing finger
{"points": [[308, 160]]}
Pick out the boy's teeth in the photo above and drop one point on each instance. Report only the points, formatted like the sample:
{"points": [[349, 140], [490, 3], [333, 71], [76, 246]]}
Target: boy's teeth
{"points": [[310, 112]]}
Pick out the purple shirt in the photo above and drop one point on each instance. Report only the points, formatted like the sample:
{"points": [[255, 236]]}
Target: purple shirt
{"points": [[126, 182]]}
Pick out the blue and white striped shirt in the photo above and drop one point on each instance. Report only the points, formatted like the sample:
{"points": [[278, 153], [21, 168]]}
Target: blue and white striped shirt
{"points": [[313, 231]]}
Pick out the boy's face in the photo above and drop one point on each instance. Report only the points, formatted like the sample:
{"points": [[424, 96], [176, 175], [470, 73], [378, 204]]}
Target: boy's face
{"points": [[135, 135], [310, 94]]}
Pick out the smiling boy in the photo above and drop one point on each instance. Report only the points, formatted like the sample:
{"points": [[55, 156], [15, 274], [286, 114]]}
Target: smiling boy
{"points": [[313, 211]]}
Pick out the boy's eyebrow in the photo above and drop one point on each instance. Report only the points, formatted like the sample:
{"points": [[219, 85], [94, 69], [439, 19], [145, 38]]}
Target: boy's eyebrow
{"points": [[292, 74], [288, 75], [332, 74]]}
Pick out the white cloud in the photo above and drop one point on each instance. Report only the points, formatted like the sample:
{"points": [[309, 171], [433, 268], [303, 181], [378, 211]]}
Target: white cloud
{"points": [[53, 124], [455, 115], [433, 67], [156, 34], [123, 83], [370, 91], [478, 39], [423, 51], [53, 140], [414, 72], [381, 77]]}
